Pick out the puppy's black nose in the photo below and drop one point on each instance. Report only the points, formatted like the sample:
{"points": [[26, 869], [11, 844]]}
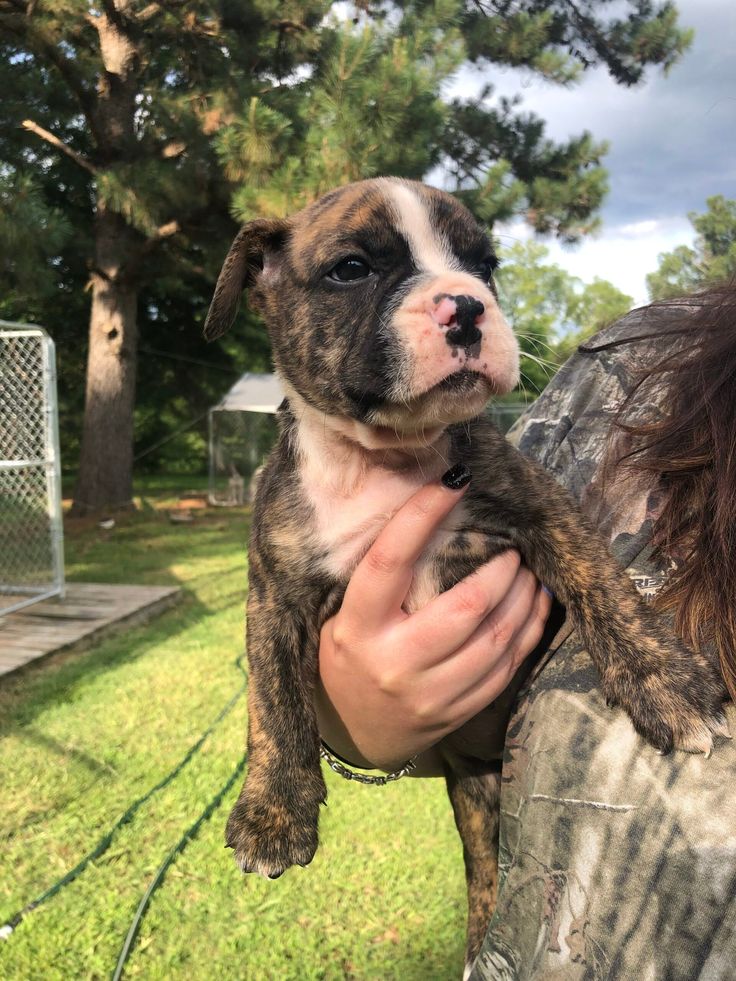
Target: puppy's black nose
{"points": [[464, 332]]}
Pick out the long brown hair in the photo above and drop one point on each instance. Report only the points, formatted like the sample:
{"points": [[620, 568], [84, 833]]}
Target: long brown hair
{"points": [[692, 450]]}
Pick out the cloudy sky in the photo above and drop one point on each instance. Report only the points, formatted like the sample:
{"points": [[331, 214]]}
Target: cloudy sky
{"points": [[672, 145]]}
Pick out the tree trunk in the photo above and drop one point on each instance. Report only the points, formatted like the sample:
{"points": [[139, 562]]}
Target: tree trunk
{"points": [[105, 480]]}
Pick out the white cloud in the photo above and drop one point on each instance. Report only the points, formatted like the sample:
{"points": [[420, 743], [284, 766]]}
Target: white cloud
{"points": [[672, 138], [640, 229]]}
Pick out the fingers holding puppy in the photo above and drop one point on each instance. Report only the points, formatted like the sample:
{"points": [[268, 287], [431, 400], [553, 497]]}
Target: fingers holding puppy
{"points": [[392, 684], [381, 582]]}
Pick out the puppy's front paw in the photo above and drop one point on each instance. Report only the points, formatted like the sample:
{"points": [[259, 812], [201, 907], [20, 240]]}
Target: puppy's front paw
{"points": [[268, 836], [673, 704]]}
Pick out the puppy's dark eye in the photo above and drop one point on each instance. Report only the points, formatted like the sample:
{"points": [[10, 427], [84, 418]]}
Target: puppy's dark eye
{"points": [[485, 269], [349, 270]]}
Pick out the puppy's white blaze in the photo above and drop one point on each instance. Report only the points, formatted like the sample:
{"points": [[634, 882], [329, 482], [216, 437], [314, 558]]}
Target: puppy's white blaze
{"points": [[430, 251]]}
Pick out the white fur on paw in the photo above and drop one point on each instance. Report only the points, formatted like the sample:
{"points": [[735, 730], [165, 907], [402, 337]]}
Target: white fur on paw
{"points": [[260, 868], [720, 728], [696, 740], [699, 739]]}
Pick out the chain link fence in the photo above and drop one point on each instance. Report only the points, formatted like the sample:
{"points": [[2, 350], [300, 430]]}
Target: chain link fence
{"points": [[31, 531], [242, 430]]}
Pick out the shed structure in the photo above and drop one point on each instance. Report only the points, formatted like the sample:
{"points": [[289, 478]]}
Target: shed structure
{"points": [[242, 430]]}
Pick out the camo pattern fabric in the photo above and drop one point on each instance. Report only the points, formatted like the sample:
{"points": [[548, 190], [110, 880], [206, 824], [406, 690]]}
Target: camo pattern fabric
{"points": [[615, 862]]}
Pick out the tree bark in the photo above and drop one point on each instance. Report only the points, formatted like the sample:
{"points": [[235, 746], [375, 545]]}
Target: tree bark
{"points": [[105, 479]]}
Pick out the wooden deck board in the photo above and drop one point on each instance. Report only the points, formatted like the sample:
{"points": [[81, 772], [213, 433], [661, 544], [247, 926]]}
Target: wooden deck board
{"points": [[88, 612]]}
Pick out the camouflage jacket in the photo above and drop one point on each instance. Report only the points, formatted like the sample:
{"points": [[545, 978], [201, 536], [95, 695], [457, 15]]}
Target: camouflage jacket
{"points": [[616, 862]]}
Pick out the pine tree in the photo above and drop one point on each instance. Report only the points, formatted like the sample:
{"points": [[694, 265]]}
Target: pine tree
{"points": [[135, 92], [128, 125]]}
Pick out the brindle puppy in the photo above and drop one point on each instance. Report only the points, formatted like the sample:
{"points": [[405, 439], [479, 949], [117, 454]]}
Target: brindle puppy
{"points": [[386, 333]]}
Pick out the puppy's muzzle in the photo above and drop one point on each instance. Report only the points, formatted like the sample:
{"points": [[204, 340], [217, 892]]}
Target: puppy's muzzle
{"points": [[460, 314]]}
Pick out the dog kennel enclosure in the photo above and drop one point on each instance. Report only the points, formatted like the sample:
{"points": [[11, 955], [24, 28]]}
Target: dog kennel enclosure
{"points": [[242, 430], [31, 529]]}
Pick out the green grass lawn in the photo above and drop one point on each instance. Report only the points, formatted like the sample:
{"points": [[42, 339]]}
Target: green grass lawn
{"points": [[83, 735]]}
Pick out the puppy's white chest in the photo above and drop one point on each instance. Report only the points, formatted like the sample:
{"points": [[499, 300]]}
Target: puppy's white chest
{"points": [[354, 493], [346, 527], [348, 522]]}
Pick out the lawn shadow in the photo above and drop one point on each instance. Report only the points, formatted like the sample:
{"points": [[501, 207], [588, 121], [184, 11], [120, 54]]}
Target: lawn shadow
{"points": [[38, 685], [65, 752]]}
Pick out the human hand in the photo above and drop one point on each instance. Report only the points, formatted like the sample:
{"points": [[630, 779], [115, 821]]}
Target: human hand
{"points": [[393, 684]]}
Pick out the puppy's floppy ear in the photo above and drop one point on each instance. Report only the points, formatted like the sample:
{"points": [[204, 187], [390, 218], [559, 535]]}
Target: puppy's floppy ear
{"points": [[242, 264]]}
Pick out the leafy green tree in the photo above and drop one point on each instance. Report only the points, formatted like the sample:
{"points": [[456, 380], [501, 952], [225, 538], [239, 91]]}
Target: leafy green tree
{"points": [[143, 126], [593, 306], [551, 311], [712, 260]]}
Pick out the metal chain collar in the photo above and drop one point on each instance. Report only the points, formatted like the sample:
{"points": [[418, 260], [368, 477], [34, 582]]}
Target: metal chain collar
{"points": [[367, 778]]}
